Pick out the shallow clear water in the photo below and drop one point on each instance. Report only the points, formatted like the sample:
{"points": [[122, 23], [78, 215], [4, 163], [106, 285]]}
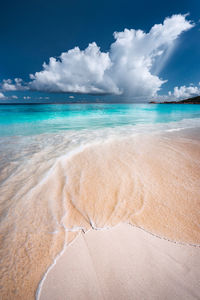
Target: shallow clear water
{"points": [[37, 119], [66, 168]]}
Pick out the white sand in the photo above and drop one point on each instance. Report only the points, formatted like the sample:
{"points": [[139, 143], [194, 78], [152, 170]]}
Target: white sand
{"points": [[124, 262]]}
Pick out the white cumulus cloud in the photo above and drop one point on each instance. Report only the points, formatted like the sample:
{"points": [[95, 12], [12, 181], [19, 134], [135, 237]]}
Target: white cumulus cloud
{"points": [[76, 71], [185, 91], [2, 96], [13, 85], [131, 66], [136, 53]]}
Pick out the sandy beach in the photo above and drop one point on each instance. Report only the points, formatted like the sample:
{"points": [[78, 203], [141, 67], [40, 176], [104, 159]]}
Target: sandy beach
{"points": [[100, 150], [149, 181], [124, 262]]}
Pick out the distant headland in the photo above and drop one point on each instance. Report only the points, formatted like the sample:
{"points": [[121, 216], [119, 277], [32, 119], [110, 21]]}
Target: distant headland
{"points": [[194, 100]]}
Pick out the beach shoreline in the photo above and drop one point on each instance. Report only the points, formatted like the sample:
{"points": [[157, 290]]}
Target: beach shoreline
{"points": [[53, 285], [121, 180]]}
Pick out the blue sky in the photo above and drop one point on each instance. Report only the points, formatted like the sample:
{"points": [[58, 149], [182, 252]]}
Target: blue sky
{"points": [[34, 31]]}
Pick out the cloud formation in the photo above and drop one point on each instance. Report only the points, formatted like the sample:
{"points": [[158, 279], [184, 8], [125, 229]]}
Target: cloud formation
{"points": [[17, 84], [185, 91], [76, 71], [131, 66], [2, 96], [14, 97]]}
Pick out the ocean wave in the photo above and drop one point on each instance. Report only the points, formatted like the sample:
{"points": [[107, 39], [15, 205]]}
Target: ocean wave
{"points": [[94, 179]]}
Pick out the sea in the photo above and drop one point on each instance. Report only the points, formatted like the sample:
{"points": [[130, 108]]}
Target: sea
{"points": [[70, 168]]}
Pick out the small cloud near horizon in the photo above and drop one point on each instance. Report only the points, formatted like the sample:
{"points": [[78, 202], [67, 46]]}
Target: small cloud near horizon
{"points": [[17, 84], [2, 96], [185, 91]]}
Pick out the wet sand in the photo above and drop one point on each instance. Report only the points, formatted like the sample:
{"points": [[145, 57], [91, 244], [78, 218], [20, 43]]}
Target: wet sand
{"points": [[124, 263], [150, 181]]}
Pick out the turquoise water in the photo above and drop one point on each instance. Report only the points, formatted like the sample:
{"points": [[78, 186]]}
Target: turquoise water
{"points": [[36, 119]]}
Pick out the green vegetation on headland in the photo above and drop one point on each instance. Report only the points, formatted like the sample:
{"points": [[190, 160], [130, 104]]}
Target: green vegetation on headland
{"points": [[194, 100]]}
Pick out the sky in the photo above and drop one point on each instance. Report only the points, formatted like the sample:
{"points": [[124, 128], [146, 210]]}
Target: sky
{"points": [[99, 50]]}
